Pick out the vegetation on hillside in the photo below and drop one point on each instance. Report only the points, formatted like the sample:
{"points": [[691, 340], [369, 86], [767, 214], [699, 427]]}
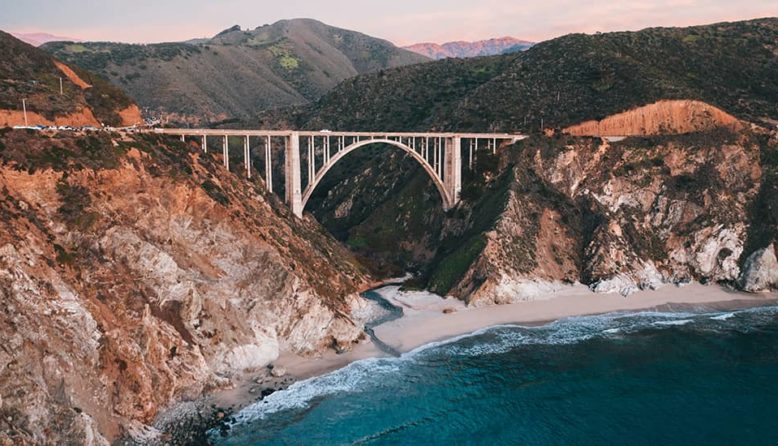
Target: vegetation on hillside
{"points": [[562, 81], [29, 73], [567, 80], [236, 73]]}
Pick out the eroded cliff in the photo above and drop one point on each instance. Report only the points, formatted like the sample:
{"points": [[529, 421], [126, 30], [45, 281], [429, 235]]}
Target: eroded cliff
{"points": [[135, 272], [624, 216]]}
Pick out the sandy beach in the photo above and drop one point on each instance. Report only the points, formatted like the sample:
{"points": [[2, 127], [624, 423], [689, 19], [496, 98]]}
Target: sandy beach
{"points": [[425, 321]]}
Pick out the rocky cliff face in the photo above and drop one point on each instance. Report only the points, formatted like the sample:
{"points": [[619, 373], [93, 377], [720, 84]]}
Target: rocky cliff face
{"points": [[630, 215], [135, 272], [619, 217]]}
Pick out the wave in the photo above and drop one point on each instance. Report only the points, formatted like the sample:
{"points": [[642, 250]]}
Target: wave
{"points": [[678, 322], [366, 374]]}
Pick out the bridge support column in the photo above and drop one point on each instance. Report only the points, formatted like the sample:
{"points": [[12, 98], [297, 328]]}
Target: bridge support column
{"points": [[452, 169], [247, 156], [268, 166], [226, 152], [294, 195]]}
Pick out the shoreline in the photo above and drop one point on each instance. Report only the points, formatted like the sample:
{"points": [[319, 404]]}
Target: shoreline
{"points": [[425, 322]]}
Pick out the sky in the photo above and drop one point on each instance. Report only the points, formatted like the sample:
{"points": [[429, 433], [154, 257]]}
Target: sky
{"points": [[400, 21]]}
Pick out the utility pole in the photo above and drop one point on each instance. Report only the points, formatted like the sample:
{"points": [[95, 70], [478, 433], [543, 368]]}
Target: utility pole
{"points": [[24, 107], [60, 86]]}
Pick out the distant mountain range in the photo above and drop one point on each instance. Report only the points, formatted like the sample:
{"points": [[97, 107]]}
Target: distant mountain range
{"points": [[38, 39], [463, 49], [236, 73]]}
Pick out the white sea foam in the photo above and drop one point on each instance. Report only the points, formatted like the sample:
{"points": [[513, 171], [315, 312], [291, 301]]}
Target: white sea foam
{"points": [[352, 377], [674, 322], [362, 375]]}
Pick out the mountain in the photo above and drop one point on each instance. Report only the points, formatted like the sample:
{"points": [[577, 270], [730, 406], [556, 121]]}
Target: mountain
{"points": [[713, 81], [236, 73], [565, 81], [31, 74], [463, 49], [38, 39], [136, 272]]}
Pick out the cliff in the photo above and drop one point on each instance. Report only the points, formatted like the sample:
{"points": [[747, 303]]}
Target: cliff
{"points": [[637, 214], [135, 272]]}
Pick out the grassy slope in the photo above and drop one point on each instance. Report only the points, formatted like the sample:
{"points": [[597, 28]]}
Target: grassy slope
{"points": [[29, 73], [567, 80], [237, 73]]}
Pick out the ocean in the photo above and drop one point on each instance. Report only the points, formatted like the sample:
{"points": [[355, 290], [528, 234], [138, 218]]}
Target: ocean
{"points": [[646, 378]]}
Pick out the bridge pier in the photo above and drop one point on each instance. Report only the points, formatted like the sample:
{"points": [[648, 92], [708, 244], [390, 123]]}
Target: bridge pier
{"points": [[268, 166], [247, 156], [294, 195], [452, 169], [226, 152]]}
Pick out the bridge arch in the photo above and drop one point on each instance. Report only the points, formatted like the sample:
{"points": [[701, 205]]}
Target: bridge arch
{"points": [[448, 201]]}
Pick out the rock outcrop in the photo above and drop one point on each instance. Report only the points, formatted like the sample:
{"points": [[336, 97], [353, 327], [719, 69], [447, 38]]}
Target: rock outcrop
{"points": [[760, 271], [135, 272], [623, 216]]}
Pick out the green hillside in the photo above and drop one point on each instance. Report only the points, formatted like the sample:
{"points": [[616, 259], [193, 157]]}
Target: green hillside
{"points": [[29, 73], [733, 66], [236, 73]]}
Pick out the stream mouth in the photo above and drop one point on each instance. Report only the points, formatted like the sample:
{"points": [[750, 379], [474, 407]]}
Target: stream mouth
{"points": [[390, 313]]}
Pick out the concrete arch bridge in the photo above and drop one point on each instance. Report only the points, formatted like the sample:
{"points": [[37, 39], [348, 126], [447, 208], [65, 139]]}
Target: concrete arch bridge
{"points": [[440, 154]]}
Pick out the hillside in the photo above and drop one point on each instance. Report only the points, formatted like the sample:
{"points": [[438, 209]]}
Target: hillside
{"points": [[565, 81], [662, 117], [236, 73], [136, 272], [642, 75], [32, 74], [462, 49]]}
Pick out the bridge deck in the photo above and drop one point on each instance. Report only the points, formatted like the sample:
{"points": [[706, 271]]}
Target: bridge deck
{"points": [[375, 135]]}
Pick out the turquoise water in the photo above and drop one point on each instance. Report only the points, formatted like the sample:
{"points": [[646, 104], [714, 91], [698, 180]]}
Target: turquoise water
{"points": [[623, 379]]}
